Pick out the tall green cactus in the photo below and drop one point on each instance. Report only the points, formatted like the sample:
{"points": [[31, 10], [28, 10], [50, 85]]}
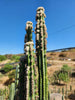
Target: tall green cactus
{"points": [[26, 76], [27, 79], [17, 82], [62, 97], [21, 78], [17, 76], [41, 35], [12, 91], [70, 88]]}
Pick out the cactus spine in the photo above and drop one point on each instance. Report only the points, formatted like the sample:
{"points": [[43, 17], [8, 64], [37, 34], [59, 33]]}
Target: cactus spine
{"points": [[41, 35]]}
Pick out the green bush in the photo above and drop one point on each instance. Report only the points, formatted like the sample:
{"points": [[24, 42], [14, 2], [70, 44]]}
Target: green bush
{"points": [[7, 68], [66, 68], [63, 74], [2, 57], [16, 58], [63, 77], [13, 57], [1, 92]]}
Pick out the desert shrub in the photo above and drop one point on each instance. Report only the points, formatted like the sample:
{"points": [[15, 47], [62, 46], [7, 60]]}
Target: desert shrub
{"points": [[13, 57], [66, 68], [62, 55], [50, 79], [2, 57], [4, 93], [7, 68], [16, 58], [63, 74], [63, 77], [1, 92], [56, 75]]}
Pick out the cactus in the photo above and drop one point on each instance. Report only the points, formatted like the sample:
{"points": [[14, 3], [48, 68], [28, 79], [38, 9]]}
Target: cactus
{"points": [[17, 76], [74, 92], [55, 89], [12, 91], [51, 91], [17, 82], [59, 90], [62, 97], [29, 51], [27, 76], [48, 95], [70, 88], [21, 78], [54, 99], [25, 87], [63, 90], [41, 35], [1, 97], [66, 93]]}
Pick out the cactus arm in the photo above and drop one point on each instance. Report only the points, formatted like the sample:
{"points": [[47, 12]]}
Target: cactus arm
{"points": [[12, 91]]}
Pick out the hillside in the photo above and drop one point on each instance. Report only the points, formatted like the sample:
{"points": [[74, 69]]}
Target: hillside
{"points": [[55, 61]]}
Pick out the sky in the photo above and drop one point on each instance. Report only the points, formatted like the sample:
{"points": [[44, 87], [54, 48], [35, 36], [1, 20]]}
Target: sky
{"points": [[60, 22]]}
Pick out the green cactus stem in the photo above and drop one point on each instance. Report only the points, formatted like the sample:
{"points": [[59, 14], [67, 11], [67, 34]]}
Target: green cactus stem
{"points": [[21, 78], [28, 36], [29, 65], [12, 91], [59, 90], [48, 95], [41, 33], [17, 77], [63, 90], [70, 88], [62, 97]]}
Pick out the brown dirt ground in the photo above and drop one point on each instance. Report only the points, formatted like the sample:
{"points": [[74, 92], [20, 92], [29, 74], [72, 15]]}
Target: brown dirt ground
{"points": [[2, 81], [56, 65]]}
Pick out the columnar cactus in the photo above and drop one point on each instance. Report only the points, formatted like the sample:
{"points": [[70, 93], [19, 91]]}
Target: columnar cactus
{"points": [[12, 92], [27, 80], [62, 97], [25, 87], [70, 88], [17, 76], [48, 95], [63, 90], [21, 78], [59, 90], [17, 82], [29, 52], [41, 42]]}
